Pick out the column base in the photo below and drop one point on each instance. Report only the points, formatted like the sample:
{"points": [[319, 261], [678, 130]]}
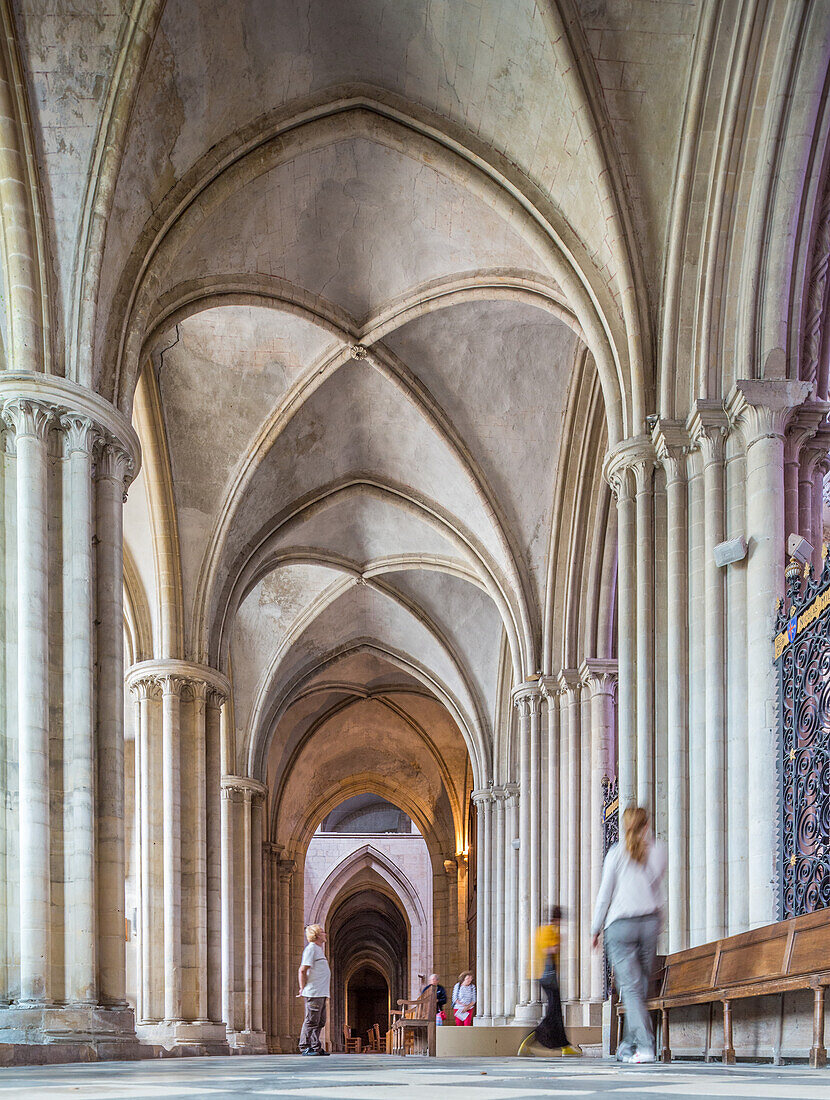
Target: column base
{"points": [[529, 1013], [185, 1037], [247, 1042], [83, 1032], [482, 1021]]}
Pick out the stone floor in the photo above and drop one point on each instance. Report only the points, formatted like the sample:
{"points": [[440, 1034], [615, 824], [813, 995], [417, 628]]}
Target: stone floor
{"points": [[350, 1077]]}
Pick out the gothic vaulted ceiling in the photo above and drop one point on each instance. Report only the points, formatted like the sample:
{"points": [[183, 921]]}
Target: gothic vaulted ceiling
{"points": [[357, 251]]}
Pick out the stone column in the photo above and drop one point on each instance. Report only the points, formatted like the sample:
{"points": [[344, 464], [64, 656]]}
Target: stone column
{"points": [[550, 690], [180, 820], [599, 679], [288, 1041], [214, 701], [671, 443], [79, 440], [762, 410], [498, 1010], [643, 475], [569, 685], [483, 800], [243, 826], [70, 455], [171, 689], [143, 691], [621, 480], [511, 962], [708, 425], [30, 422], [528, 701]]}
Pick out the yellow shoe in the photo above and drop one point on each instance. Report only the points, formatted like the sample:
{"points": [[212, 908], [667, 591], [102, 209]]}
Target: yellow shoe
{"points": [[572, 1051], [526, 1046]]}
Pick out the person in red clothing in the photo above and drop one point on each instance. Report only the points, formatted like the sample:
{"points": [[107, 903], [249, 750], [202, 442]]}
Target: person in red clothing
{"points": [[464, 999]]}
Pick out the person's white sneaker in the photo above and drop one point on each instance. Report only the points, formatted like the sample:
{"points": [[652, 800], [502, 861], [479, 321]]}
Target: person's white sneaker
{"points": [[641, 1056]]}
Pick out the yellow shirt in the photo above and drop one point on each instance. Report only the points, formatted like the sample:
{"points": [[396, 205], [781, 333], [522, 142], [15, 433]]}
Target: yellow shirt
{"points": [[547, 940]]}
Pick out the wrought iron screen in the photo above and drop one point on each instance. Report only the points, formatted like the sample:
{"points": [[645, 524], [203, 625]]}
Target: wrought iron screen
{"points": [[802, 654], [610, 835]]}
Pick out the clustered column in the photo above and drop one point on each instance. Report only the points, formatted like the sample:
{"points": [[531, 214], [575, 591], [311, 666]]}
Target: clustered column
{"points": [[528, 701], [178, 738], [722, 476], [243, 831], [69, 456]]}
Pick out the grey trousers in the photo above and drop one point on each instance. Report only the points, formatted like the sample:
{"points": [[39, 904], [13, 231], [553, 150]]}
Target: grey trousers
{"points": [[631, 944], [313, 1024]]}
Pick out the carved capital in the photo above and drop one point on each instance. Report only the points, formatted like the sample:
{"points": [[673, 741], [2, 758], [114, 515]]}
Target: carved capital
{"points": [[599, 676], [215, 698], [708, 426], [79, 434], [250, 789], [483, 796], [115, 464], [286, 868], [807, 432], [570, 683], [629, 466], [145, 687], [762, 409], [550, 688], [527, 699], [28, 418], [671, 445], [172, 685]]}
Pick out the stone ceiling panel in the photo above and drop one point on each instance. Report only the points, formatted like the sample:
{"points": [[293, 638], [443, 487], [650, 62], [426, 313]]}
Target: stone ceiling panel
{"points": [[501, 370], [356, 223]]}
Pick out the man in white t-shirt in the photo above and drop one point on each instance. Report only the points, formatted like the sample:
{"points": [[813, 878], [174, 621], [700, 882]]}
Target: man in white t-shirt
{"points": [[315, 979]]}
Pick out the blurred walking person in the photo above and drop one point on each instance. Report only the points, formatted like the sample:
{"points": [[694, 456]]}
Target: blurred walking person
{"points": [[314, 977], [629, 909], [551, 1032]]}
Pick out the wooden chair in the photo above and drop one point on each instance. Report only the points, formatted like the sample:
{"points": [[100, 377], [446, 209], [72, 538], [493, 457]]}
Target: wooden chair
{"points": [[373, 1040], [351, 1044], [778, 958], [415, 1021]]}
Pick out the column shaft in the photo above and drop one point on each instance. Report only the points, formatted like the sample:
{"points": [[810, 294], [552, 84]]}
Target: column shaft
{"points": [[31, 423], [643, 472], [113, 466], [198, 826], [627, 636], [678, 718], [498, 1003], [535, 860], [525, 928], [79, 711], [145, 827], [763, 409], [715, 664], [228, 930], [172, 853], [213, 840]]}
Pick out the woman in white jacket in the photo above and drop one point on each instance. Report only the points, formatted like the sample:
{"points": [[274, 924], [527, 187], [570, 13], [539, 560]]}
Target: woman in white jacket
{"points": [[629, 909]]}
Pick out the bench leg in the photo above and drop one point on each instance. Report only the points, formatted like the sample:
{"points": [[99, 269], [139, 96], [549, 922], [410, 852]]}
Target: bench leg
{"points": [[665, 1040], [728, 1049], [818, 1052]]}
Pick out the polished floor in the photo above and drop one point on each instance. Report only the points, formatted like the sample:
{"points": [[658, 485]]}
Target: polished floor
{"points": [[350, 1077]]}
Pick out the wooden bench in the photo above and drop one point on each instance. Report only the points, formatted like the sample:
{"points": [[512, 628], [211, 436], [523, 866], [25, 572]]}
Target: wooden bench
{"points": [[778, 958], [416, 1020]]}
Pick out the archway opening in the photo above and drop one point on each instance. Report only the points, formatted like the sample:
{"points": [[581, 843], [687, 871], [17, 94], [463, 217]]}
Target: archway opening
{"points": [[367, 1001], [366, 929]]}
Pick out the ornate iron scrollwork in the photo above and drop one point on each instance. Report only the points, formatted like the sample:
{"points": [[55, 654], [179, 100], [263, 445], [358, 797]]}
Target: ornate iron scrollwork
{"points": [[802, 649]]}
